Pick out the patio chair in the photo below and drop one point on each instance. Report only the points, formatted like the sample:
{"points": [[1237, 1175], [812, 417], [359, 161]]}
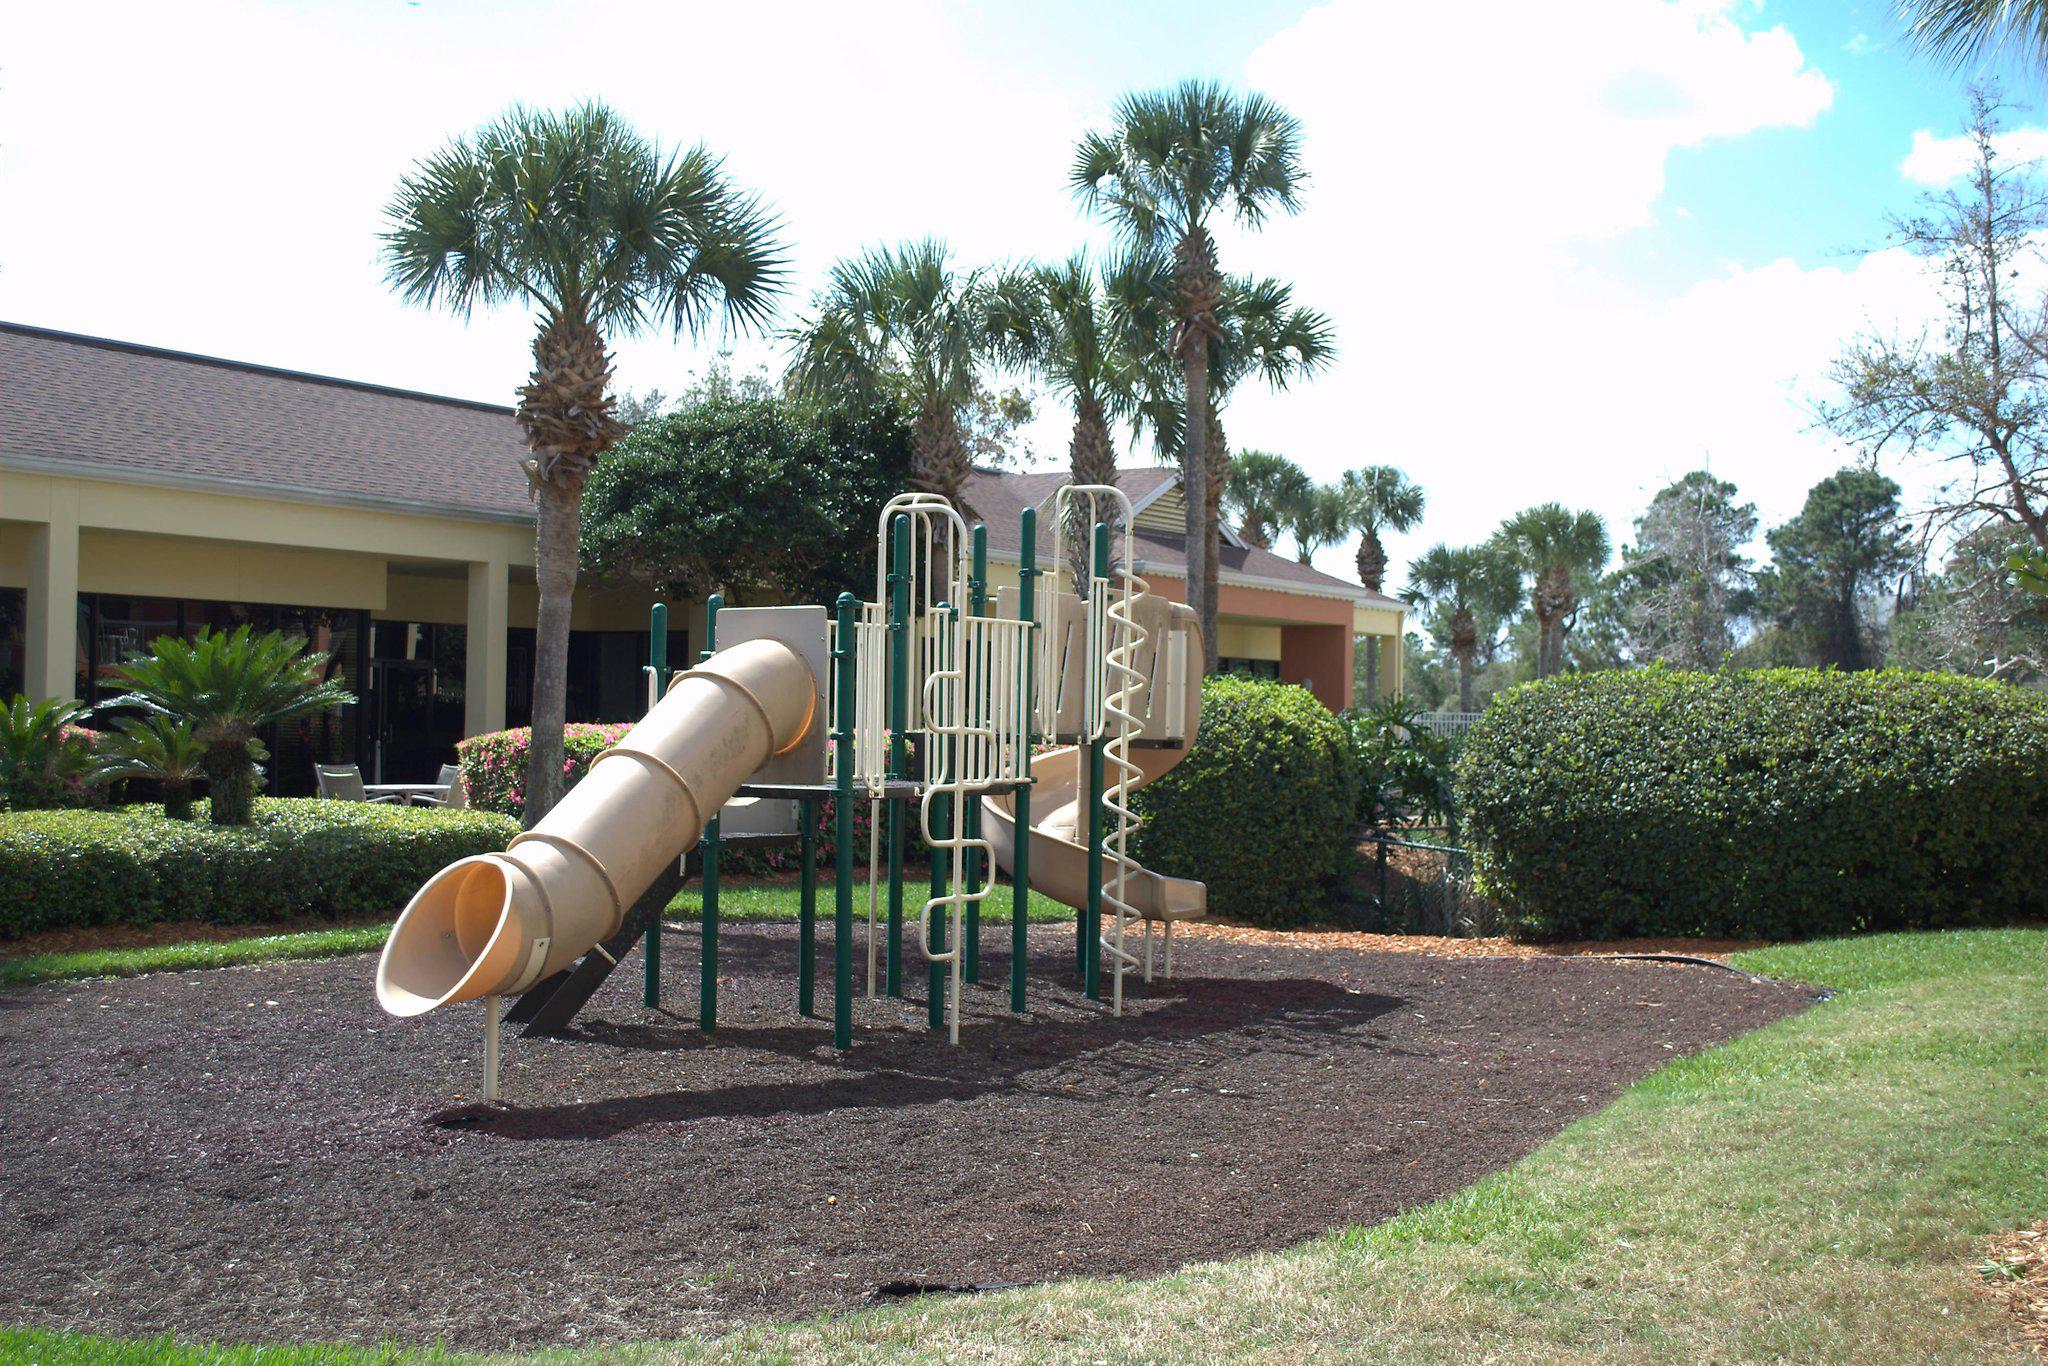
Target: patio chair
{"points": [[457, 798], [344, 783]]}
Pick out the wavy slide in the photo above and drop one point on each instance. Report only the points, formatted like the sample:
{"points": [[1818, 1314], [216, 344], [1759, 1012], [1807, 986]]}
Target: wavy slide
{"points": [[1059, 823]]}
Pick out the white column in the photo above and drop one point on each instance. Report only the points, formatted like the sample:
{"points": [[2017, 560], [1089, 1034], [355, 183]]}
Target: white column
{"points": [[52, 626], [483, 688]]}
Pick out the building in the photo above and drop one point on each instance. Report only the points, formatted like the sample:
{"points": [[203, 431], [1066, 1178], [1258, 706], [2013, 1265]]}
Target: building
{"points": [[145, 492]]}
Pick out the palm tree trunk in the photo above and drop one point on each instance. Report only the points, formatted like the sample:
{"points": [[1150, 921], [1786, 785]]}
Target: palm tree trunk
{"points": [[557, 526], [1372, 558], [1092, 458], [1465, 683], [1464, 649], [1217, 455], [1200, 286]]}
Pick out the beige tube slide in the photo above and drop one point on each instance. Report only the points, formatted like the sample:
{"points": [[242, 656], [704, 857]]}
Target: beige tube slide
{"points": [[1059, 823], [495, 924]]}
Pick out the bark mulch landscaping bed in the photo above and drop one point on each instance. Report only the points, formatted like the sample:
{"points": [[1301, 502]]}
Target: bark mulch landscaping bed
{"points": [[259, 1154]]}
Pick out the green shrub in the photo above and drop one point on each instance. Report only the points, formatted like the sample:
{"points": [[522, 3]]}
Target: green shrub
{"points": [[46, 756], [133, 866], [1261, 809], [1404, 768], [1775, 804]]}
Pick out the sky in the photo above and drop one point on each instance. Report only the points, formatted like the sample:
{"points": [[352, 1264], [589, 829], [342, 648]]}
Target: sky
{"points": [[1571, 250]]}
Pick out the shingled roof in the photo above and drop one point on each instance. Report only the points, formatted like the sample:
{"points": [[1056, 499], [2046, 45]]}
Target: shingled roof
{"points": [[97, 407], [998, 499], [111, 409]]}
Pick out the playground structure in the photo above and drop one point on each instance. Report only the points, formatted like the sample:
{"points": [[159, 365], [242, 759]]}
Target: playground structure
{"points": [[904, 699]]}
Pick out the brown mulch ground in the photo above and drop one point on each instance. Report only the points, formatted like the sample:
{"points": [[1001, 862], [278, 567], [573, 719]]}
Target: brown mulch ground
{"points": [[260, 1154], [1443, 947], [2015, 1273]]}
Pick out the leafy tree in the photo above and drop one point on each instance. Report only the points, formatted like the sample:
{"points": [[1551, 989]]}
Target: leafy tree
{"points": [[1560, 554], [901, 327], [227, 686], [158, 747], [1972, 396], [1377, 498], [1472, 589], [1404, 768], [1975, 617], [749, 492], [1684, 583], [579, 218], [1171, 163], [1829, 560], [1263, 493]]}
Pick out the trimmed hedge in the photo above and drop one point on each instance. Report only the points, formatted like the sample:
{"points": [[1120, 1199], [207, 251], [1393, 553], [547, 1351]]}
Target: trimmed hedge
{"points": [[1773, 804], [1261, 809], [301, 858]]}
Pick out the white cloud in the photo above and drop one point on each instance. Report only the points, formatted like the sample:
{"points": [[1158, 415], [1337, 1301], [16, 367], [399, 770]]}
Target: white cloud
{"points": [[1464, 166], [1935, 161]]}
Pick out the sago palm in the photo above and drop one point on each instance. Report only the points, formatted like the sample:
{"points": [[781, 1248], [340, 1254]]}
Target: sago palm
{"points": [[1172, 163], [46, 754], [1263, 491], [1464, 585], [900, 326], [163, 748], [577, 217], [1558, 551], [227, 687]]}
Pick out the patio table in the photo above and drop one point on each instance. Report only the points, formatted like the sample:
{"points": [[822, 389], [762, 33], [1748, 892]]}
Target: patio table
{"points": [[407, 791]]}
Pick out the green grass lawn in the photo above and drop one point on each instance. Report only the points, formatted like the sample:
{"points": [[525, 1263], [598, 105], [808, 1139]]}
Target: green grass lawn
{"points": [[736, 901], [1809, 1192]]}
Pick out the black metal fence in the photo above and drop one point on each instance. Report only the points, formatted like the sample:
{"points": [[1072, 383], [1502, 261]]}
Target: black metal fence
{"points": [[1418, 885]]}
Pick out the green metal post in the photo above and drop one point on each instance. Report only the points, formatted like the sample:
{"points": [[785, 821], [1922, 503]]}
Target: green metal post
{"points": [[936, 926], [900, 570], [842, 831], [707, 985], [657, 660], [807, 907], [1020, 850], [970, 819], [1091, 938]]}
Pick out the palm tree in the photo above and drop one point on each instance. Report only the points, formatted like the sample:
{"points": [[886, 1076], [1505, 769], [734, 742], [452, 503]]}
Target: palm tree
{"points": [[1378, 498], [1958, 32], [579, 218], [1265, 334], [227, 687], [1557, 551], [1316, 520], [899, 326], [1464, 585], [1171, 163], [1263, 493], [1375, 498], [1071, 325]]}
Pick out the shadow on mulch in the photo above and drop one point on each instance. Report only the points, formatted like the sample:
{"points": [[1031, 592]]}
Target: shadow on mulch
{"points": [[259, 1154]]}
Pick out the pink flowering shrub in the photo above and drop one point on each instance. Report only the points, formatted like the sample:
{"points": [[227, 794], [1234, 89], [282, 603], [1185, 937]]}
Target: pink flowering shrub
{"points": [[494, 765]]}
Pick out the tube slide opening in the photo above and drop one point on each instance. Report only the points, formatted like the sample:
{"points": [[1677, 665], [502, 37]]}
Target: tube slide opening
{"points": [[444, 936]]}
